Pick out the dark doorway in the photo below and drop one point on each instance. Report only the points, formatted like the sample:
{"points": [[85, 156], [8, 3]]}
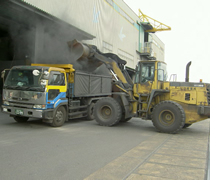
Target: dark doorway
{"points": [[6, 47], [6, 52]]}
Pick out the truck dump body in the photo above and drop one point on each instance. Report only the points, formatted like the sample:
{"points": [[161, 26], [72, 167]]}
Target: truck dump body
{"points": [[87, 85]]}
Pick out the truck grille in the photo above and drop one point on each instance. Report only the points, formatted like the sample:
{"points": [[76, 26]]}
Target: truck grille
{"points": [[21, 105], [208, 93]]}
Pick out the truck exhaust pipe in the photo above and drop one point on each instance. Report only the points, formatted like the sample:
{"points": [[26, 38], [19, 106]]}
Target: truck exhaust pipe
{"points": [[187, 71]]}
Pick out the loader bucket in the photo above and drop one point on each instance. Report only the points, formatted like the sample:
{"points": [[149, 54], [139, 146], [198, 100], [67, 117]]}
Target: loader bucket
{"points": [[84, 55], [78, 50]]}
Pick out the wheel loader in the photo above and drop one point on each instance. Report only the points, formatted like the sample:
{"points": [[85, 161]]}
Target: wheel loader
{"points": [[170, 105]]}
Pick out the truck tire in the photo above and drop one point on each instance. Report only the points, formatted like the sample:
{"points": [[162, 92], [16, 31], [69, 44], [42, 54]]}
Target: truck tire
{"points": [[21, 119], [59, 117], [90, 115], [168, 117], [107, 112]]}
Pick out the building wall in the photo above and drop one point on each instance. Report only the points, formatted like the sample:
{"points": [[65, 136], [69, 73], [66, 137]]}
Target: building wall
{"points": [[157, 46], [113, 24]]}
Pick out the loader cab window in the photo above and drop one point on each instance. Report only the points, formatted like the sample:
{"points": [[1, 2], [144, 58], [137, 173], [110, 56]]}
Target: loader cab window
{"points": [[147, 72], [56, 78], [162, 72]]}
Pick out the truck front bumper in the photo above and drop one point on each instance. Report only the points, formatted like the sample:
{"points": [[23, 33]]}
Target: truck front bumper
{"points": [[204, 110], [25, 112]]}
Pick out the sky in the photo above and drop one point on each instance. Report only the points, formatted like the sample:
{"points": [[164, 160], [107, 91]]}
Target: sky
{"points": [[189, 38]]}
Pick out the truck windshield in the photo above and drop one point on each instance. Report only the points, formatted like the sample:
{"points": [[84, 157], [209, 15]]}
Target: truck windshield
{"points": [[25, 79]]}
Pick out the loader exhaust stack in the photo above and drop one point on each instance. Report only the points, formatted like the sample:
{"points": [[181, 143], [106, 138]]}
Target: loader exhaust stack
{"points": [[187, 71]]}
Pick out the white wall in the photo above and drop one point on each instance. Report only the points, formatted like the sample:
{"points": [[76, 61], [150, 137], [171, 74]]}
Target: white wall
{"points": [[113, 24]]}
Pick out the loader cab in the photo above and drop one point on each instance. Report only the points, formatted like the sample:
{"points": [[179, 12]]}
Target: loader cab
{"points": [[149, 75]]}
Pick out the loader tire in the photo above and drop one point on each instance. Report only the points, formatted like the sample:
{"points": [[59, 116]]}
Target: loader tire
{"points": [[168, 117], [21, 119], [107, 112], [59, 117]]}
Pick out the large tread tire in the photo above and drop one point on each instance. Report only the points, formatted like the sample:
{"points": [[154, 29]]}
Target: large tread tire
{"points": [[59, 117], [107, 112], [21, 119], [168, 117]]}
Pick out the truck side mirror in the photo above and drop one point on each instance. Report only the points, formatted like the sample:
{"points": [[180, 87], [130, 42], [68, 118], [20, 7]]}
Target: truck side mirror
{"points": [[46, 75]]}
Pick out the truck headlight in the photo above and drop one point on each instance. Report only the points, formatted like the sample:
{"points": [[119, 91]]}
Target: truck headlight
{"points": [[39, 106], [6, 103]]}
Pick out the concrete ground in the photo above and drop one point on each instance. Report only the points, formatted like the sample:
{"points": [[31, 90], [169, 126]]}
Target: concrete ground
{"points": [[179, 156]]}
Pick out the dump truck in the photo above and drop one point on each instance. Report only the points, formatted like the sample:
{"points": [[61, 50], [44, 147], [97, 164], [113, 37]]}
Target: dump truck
{"points": [[57, 93], [108, 99]]}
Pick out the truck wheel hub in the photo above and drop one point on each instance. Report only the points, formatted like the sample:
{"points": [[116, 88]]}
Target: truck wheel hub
{"points": [[59, 116]]}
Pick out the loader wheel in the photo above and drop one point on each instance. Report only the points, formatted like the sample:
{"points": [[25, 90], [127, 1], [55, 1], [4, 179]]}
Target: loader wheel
{"points": [[186, 125], [90, 115], [59, 117], [107, 112], [21, 119], [168, 117]]}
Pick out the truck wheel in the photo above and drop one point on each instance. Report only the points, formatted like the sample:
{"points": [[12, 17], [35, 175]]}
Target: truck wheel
{"points": [[186, 125], [59, 117], [168, 117], [107, 112], [21, 119], [90, 115]]}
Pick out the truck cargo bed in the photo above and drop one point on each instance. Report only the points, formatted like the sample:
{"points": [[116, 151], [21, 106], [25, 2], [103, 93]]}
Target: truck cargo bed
{"points": [[86, 84]]}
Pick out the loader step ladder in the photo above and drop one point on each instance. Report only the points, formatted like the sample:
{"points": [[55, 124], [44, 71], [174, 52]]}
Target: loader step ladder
{"points": [[148, 101], [143, 102]]}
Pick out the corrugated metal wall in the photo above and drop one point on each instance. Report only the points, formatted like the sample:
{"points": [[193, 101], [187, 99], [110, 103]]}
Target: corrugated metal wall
{"points": [[112, 22]]}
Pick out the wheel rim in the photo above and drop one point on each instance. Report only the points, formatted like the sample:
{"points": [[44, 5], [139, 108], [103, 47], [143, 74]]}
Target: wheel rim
{"points": [[59, 116], [166, 117], [106, 112]]}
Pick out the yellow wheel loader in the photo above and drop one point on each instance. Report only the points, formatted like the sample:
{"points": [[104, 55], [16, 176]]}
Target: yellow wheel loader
{"points": [[170, 105]]}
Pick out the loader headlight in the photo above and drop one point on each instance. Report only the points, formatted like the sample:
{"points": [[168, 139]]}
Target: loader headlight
{"points": [[39, 106], [6, 103]]}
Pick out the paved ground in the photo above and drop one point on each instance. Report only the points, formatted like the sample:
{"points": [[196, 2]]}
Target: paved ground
{"points": [[84, 150], [162, 156]]}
